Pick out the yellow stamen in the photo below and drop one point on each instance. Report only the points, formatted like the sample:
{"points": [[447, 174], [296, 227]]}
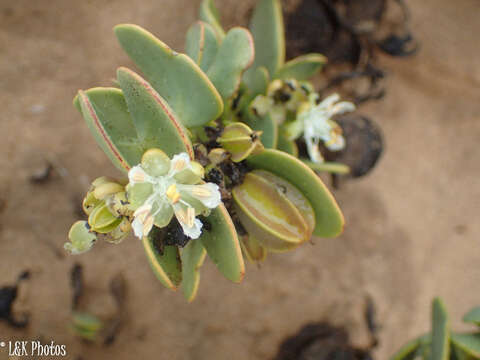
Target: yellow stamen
{"points": [[172, 194]]}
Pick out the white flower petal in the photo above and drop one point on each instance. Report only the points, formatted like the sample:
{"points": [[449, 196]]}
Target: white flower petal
{"points": [[341, 108], [329, 101], [194, 231], [179, 162], [208, 194], [137, 227], [137, 175]]}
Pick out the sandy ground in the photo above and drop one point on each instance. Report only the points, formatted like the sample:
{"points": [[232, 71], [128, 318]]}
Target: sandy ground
{"points": [[412, 225]]}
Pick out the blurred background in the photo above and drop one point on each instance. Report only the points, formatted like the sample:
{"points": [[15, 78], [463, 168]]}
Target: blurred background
{"points": [[412, 224]]}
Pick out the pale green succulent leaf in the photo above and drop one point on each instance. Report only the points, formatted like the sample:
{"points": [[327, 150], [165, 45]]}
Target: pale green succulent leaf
{"points": [[302, 67], [164, 260], [106, 114], [193, 256], [440, 331], [236, 53], [202, 44], [81, 239], [268, 33], [210, 14], [407, 351], [222, 244], [156, 123], [329, 219], [174, 76], [331, 167], [473, 316], [469, 343], [286, 145]]}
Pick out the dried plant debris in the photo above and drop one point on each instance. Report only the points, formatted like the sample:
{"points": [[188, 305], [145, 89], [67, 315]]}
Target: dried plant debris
{"points": [[351, 32], [89, 326], [8, 294], [320, 341]]}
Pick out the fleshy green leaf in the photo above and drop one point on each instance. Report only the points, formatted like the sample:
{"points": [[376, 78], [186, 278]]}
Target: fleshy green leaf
{"points": [[331, 167], [268, 33], [407, 351], [329, 219], [267, 126], [473, 316], [289, 146], [193, 255], [81, 239], [164, 260], [222, 245], [469, 343], [174, 76], [106, 114], [202, 44], [440, 331], [156, 124], [302, 67], [210, 14], [235, 54]]}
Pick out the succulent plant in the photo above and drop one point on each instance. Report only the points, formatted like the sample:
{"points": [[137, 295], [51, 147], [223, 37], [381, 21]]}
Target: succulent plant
{"points": [[276, 97], [207, 170], [442, 343]]}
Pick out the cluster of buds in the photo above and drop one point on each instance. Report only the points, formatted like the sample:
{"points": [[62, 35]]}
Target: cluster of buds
{"points": [[108, 212]]}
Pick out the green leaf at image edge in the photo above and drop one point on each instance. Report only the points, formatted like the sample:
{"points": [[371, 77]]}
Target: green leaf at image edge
{"points": [[473, 316], [440, 331], [268, 33], [329, 219], [209, 14], [469, 343]]}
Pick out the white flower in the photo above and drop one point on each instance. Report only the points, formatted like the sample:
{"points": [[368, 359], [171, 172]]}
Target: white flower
{"points": [[173, 190], [317, 124]]}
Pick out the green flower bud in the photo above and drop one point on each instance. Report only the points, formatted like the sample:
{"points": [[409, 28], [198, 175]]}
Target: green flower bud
{"points": [[240, 141]]}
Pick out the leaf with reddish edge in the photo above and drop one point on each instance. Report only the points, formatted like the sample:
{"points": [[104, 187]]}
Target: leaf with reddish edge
{"points": [[236, 53], [193, 255], [174, 76], [156, 123], [222, 244], [202, 44], [106, 114]]}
